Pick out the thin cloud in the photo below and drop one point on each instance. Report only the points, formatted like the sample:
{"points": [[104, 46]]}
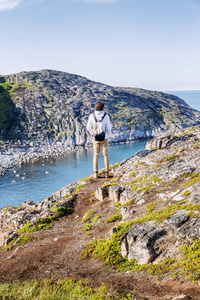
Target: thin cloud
{"points": [[9, 4]]}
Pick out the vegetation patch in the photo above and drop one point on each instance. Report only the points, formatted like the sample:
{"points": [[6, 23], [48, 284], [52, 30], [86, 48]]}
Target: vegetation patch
{"points": [[18, 241], [195, 177], [23, 235], [66, 289], [109, 250], [145, 183], [96, 218], [42, 224], [78, 188], [87, 216], [114, 218], [61, 211], [132, 174], [191, 261], [186, 193], [86, 179], [87, 227]]}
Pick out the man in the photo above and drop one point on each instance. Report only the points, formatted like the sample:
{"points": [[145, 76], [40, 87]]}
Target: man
{"points": [[100, 127]]}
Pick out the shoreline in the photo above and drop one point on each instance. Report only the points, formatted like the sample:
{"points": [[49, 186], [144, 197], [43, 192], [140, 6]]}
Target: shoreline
{"points": [[22, 152]]}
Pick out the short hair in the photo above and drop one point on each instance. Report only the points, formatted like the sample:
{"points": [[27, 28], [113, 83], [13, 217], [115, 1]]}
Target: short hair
{"points": [[99, 106]]}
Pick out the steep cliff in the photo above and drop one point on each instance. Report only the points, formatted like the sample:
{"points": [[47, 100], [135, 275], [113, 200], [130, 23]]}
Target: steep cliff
{"points": [[53, 105]]}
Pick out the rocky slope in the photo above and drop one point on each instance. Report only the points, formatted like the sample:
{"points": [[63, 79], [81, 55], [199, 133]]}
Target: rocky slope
{"points": [[46, 112], [55, 105], [144, 223]]}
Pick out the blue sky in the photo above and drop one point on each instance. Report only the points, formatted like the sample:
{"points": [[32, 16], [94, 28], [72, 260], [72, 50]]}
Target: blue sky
{"points": [[152, 44]]}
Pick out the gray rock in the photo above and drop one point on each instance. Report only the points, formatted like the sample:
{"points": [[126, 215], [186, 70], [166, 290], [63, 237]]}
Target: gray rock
{"points": [[142, 153], [11, 236], [139, 242], [114, 192], [101, 193], [182, 297], [126, 212], [179, 218]]}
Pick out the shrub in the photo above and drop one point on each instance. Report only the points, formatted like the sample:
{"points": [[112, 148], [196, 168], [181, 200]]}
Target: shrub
{"points": [[87, 227], [96, 218], [87, 216], [61, 211], [187, 193], [191, 261], [132, 174]]}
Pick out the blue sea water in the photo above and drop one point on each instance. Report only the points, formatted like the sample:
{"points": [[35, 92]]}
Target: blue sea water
{"points": [[46, 177], [191, 97], [43, 178]]}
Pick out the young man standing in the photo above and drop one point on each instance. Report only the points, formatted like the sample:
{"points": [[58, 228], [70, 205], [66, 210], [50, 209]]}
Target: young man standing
{"points": [[100, 127]]}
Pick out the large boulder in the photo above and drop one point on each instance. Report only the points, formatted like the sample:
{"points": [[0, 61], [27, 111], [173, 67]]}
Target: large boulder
{"points": [[139, 242]]}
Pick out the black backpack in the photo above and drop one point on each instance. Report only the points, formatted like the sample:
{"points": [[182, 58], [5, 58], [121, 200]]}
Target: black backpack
{"points": [[99, 136]]}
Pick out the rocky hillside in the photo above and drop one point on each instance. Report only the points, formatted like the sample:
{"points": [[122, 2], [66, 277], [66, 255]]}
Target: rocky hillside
{"points": [[53, 105], [138, 231]]}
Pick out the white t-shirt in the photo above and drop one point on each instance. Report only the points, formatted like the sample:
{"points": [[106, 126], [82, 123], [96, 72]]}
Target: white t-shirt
{"points": [[105, 125]]}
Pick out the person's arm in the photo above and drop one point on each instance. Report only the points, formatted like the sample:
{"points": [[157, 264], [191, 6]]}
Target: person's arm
{"points": [[108, 125], [90, 125]]}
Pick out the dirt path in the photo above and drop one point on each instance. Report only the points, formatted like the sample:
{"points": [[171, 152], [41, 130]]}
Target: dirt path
{"points": [[57, 253]]}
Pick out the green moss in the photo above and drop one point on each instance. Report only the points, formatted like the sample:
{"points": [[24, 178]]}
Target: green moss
{"points": [[157, 165], [19, 240], [174, 179], [167, 158], [132, 174], [68, 195], [86, 179], [115, 165], [87, 227], [42, 224], [190, 262], [186, 193], [113, 180], [7, 107], [150, 207], [87, 216], [195, 145], [96, 218], [65, 289], [145, 183], [24, 238], [195, 177], [166, 266], [114, 218], [78, 188], [61, 211]]}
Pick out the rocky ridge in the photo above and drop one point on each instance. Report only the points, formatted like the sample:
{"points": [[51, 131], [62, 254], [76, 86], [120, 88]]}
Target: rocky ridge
{"points": [[45, 113], [148, 215]]}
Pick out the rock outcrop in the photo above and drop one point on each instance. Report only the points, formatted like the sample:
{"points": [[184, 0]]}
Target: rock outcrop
{"points": [[158, 190]]}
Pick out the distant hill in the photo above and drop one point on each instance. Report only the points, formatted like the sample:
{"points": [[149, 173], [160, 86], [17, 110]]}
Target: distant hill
{"points": [[54, 105]]}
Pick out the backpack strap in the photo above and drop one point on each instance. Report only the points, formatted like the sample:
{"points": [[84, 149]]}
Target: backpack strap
{"points": [[96, 118]]}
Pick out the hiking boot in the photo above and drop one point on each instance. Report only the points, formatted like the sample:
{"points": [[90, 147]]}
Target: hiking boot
{"points": [[107, 174], [95, 175]]}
